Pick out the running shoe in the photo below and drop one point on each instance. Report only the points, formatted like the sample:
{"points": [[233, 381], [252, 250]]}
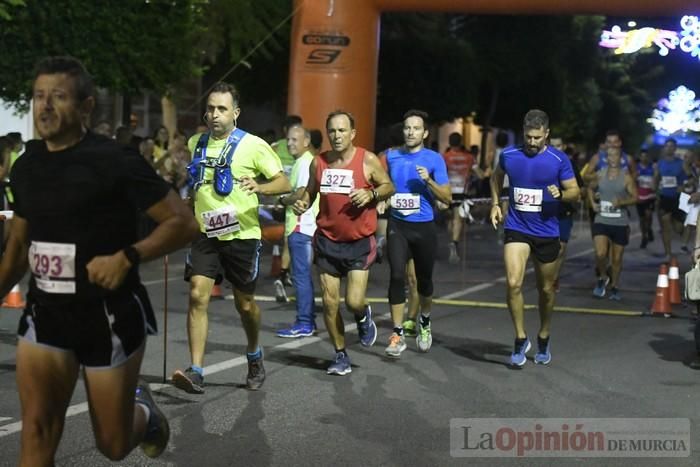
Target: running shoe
{"points": [[297, 330], [543, 356], [454, 257], [397, 344], [601, 284], [409, 328], [519, 357], [286, 279], [424, 340], [341, 365], [189, 381], [367, 329], [280, 293], [615, 294], [157, 428], [256, 374]]}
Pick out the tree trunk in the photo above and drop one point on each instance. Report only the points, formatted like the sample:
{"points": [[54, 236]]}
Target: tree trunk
{"points": [[169, 110]]}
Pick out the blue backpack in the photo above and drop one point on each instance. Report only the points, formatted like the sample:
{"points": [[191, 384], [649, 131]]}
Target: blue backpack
{"points": [[223, 177]]}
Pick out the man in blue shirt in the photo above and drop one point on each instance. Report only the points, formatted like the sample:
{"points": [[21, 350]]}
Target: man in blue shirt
{"points": [[420, 177], [540, 178]]}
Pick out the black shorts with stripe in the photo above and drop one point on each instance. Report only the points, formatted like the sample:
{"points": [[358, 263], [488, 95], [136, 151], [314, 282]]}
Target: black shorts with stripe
{"points": [[102, 333], [238, 259]]}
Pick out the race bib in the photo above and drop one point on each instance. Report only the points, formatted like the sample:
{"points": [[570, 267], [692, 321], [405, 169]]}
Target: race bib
{"points": [[607, 210], [668, 182], [645, 181], [220, 221], [457, 183], [406, 203], [337, 181], [53, 266], [527, 199]]}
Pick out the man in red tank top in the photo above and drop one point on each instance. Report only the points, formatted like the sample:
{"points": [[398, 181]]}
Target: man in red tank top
{"points": [[350, 181]]}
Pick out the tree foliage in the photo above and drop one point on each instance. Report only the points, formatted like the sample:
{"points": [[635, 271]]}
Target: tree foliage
{"points": [[127, 46]]}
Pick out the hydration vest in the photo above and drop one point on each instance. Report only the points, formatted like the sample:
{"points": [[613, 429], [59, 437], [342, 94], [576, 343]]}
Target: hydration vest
{"points": [[223, 177]]}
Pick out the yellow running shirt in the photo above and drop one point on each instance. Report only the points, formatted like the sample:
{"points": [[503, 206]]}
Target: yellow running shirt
{"points": [[253, 157]]}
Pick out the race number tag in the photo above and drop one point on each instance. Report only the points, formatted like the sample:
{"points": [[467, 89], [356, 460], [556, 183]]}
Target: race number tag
{"points": [[668, 182], [646, 181], [406, 203], [457, 183], [607, 210], [220, 221], [527, 199], [337, 181], [53, 266]]}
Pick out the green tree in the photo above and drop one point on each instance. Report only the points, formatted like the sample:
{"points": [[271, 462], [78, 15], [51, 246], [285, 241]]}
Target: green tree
{"points": [[128, 46], [7, 6]]}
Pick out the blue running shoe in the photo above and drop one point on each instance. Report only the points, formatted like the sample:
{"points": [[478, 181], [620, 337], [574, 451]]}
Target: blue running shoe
{"points": [[157, 433], [615, 294], [367, 329], [341, 365], [518, 357], [543, 357], [599, 290], [297, 330]]}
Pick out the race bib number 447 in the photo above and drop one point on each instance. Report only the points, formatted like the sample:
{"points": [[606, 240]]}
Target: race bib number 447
{"points": [[337, 181], [220, 221], [527, 199], [53, 266]]}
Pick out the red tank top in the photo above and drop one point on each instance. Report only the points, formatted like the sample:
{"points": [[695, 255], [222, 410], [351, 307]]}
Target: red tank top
{"points": [[339, 219]]}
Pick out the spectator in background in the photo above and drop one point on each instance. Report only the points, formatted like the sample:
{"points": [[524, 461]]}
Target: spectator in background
{"points": [[161, 138], [459, 168], [123, 136], [280, 146], [103, 128]]}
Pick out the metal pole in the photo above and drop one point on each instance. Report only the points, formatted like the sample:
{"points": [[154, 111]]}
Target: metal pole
{"points": [[165, 316]]}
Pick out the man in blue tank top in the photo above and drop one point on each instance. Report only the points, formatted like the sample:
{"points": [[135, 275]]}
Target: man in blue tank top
{"points": [[669, 176], [420, 177], [540, 178]]}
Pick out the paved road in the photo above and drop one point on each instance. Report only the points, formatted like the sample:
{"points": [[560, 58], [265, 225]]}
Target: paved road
{"points": [[398, 413]]}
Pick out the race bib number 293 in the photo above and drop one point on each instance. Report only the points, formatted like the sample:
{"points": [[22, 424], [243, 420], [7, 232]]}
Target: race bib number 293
{"points": [[53, 266]]}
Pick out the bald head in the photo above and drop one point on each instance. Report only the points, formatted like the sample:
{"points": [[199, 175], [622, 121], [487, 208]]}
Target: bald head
{"points": [[298, 140]]}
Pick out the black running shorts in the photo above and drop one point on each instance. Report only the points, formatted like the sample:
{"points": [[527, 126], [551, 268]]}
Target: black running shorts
{"points": [[338, 258], [102, 333], [545, 249], [239, 259]]}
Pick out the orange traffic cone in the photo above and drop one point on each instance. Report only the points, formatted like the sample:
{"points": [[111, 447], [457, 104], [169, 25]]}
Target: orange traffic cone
{"points": [[674, 287], [662, 302], [276, 266], [14, 298], [216, 291]]}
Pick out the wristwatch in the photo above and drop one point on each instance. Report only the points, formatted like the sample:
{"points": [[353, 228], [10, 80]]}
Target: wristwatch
{"points": [[132, 255]]}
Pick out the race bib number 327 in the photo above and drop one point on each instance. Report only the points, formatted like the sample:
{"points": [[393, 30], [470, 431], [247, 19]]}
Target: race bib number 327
{"points": [[337, 181]]}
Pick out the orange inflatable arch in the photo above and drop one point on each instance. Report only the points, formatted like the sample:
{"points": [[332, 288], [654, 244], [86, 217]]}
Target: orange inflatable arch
{"points": [[335, 46]]}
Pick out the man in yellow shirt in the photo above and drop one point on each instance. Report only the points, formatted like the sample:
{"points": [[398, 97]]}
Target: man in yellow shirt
{"points": [[230, 233]]}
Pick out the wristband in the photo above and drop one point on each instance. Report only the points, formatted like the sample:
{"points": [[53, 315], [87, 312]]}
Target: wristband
{"points": [[375, 195], [132, 255]]}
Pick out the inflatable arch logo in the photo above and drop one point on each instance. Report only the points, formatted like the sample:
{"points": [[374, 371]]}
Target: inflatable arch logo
{"points": [[335, 46]]}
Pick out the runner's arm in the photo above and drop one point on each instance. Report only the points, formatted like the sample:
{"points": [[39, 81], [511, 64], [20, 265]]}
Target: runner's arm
{"points": [[570, 192], [276, 185], [14, 262], [308, 195], [496, 184], [383, 187]]}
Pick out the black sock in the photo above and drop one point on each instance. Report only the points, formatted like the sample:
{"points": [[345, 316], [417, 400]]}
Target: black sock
{"points": [[341, 351], [424, 320], [519, 342], [398, 330], [542, 341]]}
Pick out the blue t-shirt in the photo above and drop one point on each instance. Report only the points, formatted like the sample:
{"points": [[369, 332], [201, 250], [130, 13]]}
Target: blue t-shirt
{"points": [[603, 161], [671, 176], [532, 210], [403, 172]]}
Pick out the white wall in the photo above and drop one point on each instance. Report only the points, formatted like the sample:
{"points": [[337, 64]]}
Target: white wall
{"points": [[10, 122]]}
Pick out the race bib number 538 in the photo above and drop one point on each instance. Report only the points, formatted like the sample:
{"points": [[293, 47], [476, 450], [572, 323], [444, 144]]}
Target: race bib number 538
{"points": [[53, 266]]}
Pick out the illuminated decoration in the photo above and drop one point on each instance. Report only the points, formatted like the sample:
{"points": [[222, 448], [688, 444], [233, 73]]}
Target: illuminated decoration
{"points": [[634, 40], [679, 113], [690, 36], [627, 42]]}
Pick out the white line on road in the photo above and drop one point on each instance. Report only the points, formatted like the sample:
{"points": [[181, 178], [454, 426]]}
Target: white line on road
{"points": [[77, 409]]}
